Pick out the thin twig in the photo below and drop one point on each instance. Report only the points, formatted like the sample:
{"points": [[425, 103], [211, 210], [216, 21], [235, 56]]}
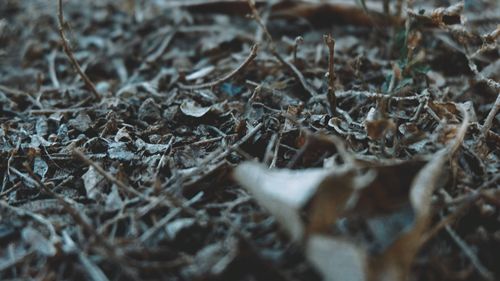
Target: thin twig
{"points": [[162, 48], [460, 133], [488, 122], [272, 48], [67, 50], [107, 175], [490, 82], [92, 270], [370, 95], [269, 149], [58, 110], [200, 142], [482, 270], [298, 75], [478, 192], [18, 93], [82, 220], [220, 154], [332, 100], [9, 190], [52, 69], [85, 222], [37, 217], [14, 92], [245, 63], [446, 221], [298, 41], [465, 202], [181, 205], [260, 22]]}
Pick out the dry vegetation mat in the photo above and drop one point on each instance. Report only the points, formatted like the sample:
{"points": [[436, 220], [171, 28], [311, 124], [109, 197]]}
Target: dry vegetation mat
{"points": [[249, 140]]}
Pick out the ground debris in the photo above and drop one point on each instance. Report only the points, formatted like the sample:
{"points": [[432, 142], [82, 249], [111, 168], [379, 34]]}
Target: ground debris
{"points": [[202, 140]]}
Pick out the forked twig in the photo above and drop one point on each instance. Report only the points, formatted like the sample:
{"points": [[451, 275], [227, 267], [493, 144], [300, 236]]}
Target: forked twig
{"points": [[67, 50]]}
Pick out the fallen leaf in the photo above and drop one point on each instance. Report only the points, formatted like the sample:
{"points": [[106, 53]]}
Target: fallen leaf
{"points": [[283, 192], [200, 73], [81, 122], [40, 167], [189, 108], [377, 126], [38, 242], [149, 111], [92, 181], [357, 221], [336, 259]]}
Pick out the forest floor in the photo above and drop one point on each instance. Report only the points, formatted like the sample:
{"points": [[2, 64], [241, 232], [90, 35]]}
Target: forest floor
{"points": [[131, 132]]}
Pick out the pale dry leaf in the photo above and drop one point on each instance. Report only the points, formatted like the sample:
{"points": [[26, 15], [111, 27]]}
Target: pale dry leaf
{"points": [[176, 226], [377, 126], [336, 259], [189, 108], [92, 181], [394, 211], [283, 192], [212, 260], [113, 200], [38, 242], [122, 135], [200, 73], [40, 167]]}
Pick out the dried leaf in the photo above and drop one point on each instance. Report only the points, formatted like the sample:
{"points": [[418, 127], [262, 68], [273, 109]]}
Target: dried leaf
{"points": [[120, 151], [337, 259], [176, 226], [113, 200], [212, 260], [376, 126], [38, 242], [357, 225], [282, 192], [149, 111], [200, 73], [81, 122], [40, 167], [122, 135], [42, 127], [189, 108], [92, 181]]}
